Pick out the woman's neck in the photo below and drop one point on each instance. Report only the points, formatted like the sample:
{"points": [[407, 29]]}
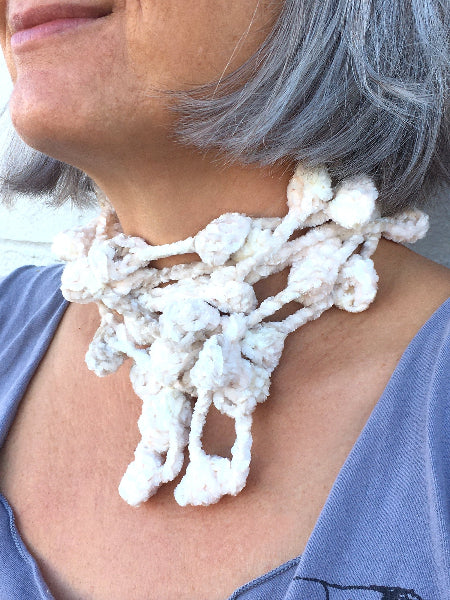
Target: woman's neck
{"points": [[164, 201]]}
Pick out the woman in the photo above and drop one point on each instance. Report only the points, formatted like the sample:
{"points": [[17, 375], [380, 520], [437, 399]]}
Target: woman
{"points": [[95, 87]]}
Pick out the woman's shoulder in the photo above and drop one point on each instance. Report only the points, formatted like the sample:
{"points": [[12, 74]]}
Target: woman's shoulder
{"points": [[411, 287], [30, 277], [31, 308], [426, 291], [27, 292], [413, 320]]}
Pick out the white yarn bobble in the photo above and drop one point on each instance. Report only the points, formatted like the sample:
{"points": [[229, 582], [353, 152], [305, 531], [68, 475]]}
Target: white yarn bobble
{"points": [[409, 226], [168, 361], [100, 357], [223, 236], [354, 203], [355, 287], [228, 292], [79, 282], [314, 273], [142, 330], [142, 477], [263, 346], [195, 331], [307, 192], [69, 247], [208, 478], [182, 322]]}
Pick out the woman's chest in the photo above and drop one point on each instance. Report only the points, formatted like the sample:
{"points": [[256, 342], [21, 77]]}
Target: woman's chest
{"points": [[75, 434], [69, 447]]}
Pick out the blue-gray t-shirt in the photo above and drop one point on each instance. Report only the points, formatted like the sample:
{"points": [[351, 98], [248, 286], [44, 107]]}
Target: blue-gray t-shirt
{"points": [[384, 532]]}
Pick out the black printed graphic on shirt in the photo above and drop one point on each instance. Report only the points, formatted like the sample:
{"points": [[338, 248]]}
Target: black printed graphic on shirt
{"points": [[322, 590]]}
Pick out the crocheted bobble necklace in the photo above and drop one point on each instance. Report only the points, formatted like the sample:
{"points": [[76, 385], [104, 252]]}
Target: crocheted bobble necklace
{"points": [[195, 332]]}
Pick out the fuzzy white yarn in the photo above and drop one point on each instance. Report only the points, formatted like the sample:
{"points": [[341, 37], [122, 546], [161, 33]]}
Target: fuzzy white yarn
{"points": [[196, 330]]}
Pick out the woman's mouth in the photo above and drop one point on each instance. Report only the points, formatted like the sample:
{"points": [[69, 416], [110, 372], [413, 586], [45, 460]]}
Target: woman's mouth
{"points": [[40, 22]]}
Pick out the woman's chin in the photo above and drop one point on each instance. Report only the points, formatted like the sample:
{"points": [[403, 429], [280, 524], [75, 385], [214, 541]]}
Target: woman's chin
{"points": [[48, 121], [67, 118]]}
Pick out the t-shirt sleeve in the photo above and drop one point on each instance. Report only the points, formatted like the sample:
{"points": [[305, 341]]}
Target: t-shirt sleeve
{"points": [[31, 307]]}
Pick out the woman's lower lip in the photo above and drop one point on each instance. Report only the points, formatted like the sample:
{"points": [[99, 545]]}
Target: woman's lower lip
{"points": [[24, 36]]}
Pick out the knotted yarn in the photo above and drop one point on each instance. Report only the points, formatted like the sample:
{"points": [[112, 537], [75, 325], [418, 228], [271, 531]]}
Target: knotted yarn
{"points": [[195, 332]]}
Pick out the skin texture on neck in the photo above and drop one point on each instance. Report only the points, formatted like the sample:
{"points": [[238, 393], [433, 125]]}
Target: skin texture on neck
{"points": [[166, 202]]}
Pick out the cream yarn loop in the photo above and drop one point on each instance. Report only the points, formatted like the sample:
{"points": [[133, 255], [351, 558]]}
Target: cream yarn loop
{"points": [[196, 331]]}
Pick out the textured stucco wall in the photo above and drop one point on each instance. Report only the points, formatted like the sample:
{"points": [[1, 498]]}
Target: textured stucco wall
{"points": [[436, 244], [26, 230]]}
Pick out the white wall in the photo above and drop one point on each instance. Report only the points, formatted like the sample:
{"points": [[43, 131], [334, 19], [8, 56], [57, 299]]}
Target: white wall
{"points": [[26, 230]]}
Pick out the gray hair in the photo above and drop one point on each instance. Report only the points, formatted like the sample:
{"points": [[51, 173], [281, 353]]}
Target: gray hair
{"points": [[356, 85]]}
